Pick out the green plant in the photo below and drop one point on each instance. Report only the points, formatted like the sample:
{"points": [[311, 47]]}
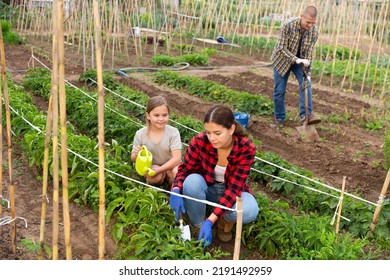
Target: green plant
{"points": [[374, 125], [276, 231], [163, 60], [191, 58], [339, 149], [246, 102], [9, 36], [34, 247], [132, 207], [209, 51], [338, 118]]}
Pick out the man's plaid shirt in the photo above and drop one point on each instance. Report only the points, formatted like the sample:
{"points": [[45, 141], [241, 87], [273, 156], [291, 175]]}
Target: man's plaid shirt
{"points": [[201, 158], [286, 49]]}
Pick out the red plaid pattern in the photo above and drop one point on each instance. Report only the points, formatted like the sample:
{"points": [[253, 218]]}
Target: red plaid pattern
{"points": [[201, 157]]}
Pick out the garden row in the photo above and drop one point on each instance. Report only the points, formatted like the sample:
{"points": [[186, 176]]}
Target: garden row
{"points": [[144, 222], [275, 232], [286, 182], [286, 185]]}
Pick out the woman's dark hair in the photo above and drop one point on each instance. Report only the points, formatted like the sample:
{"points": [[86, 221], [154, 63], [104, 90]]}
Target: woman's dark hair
{"points": [[223, 115]]}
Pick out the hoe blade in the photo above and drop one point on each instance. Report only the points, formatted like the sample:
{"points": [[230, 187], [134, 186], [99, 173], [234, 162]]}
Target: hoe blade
{"points": [[308, 133]]}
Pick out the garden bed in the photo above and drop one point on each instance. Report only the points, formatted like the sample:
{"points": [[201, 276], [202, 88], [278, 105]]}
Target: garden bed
{"points": [[346, 148]]}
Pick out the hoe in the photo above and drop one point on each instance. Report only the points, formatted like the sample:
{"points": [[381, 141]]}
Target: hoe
{"points": [[308, 132]]}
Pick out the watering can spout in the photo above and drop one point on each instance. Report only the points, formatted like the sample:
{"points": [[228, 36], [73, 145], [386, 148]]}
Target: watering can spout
{"points": [[144, 161]]}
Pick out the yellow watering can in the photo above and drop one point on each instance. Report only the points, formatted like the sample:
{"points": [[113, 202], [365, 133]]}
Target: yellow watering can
{"points": [[143, 162]]}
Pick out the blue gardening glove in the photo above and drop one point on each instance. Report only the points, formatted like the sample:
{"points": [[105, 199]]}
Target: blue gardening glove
{"points": [[206, 233], [177, 203]]}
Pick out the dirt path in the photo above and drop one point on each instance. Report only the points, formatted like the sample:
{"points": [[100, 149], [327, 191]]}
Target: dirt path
{"points": [[28, 201]]}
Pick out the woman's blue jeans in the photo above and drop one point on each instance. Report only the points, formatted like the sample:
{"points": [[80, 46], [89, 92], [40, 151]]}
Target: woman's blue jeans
{"points": [[280, 85], [195, 186]]}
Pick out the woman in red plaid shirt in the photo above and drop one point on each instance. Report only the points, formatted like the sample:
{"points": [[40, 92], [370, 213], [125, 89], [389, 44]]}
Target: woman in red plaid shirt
{"points": [[215, 168]]}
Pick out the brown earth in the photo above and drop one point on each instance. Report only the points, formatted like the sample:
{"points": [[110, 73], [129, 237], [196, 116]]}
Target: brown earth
{"points": [[344, 150]]}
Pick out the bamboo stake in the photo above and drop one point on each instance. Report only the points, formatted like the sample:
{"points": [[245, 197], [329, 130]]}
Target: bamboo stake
{"points": [[247, 24], [1, 132], [355, 46], [9, 142], [125, 29], [370, 51], [218, 18], [379, 51], [326, 60], [225, 19], [236, 29], [335, 45], [99, 73], [228, 23], [49, 123], [108, 30], [1, 144], [64, 140], [382, 96], [237, 243], [83, 38], [340, 205], [257, 24], [54, 88], [380, 202]]}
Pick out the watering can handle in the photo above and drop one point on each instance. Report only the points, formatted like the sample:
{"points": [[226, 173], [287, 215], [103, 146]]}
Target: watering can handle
{"points": [[151, 172]]}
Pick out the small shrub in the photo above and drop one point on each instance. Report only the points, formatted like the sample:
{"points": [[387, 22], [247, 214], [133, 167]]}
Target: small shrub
{"points": [[9, 36], [163, 60]]}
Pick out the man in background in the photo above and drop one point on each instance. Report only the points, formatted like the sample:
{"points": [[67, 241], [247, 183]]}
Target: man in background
{"points": [[294, 52]]}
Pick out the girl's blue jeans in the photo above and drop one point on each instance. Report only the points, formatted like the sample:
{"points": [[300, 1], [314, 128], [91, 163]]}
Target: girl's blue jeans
{"points": [[195, 186]]}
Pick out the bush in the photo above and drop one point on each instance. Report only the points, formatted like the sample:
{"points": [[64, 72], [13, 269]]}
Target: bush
{"points": [[191, 58], [9, 36], [6, 26]]}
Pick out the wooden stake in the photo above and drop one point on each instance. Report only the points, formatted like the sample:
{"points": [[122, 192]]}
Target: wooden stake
{"points": [[99, 72], [380, 201], [335, 45], [49, 123], [340, 205], [54, 93], [9, 142], [1, 139], [64, 140], [237, 243], [378, 54], [45, 176]]}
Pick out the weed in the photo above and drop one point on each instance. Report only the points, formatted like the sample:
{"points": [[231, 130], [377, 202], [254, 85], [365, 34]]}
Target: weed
{"points": [[34, 247], [338, 118], [339, 149], [376, 163]]}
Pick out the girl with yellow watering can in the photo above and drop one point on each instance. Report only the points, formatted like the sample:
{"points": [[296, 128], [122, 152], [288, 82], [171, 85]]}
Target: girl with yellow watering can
{"points": [[157, 147]]}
